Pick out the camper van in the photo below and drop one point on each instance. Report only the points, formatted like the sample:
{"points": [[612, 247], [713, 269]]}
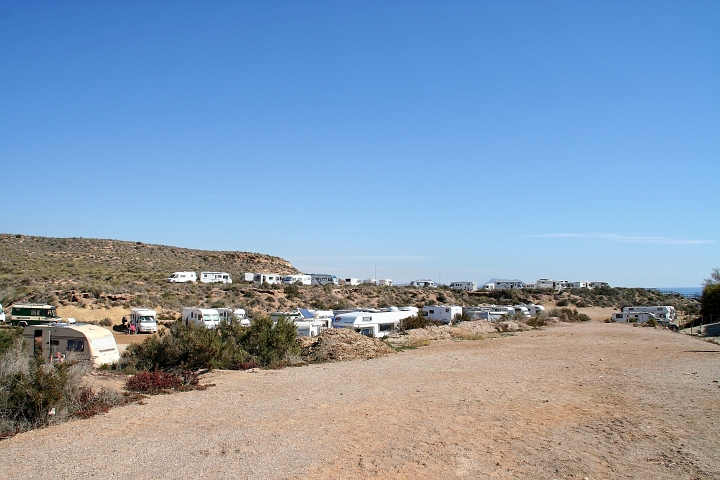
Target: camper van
{"points": [[248, 277], [229, 315], [182, 277], [323, 279], [81, 341], [297, 279], [633, 317], [422, 283], [666, 312], [374, 324], [268, 278], [385, 282], [532, 309], [484, 315], [207, 317], [24, 314], [144, 319], [351, 282], [467, 286], [442, 313], [215, 277]]}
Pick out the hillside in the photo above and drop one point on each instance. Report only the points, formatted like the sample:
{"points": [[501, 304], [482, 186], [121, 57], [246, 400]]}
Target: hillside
{"points": [[93, 279]]}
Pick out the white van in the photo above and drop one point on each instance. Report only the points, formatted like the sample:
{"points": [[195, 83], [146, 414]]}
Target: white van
{"points": [[207, 317], [633, 317], [442, 313], [144, 319], [56, 341], [229, 315], [215, 277], [182, 277], [268, 278], [299, 279], [374, 324]]}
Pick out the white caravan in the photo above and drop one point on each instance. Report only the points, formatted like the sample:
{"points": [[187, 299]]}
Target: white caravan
{"points": [[352, 281], [422, 283], [442, 313], [268, 278], [229, 315], [385, 282], [666, 312], [369, 281], [467, 286], [634, 317], [215, 277], [484, 315], [323, 279], [299, 279], [144, 319], [501, 309], [206, 317], [182, 277], [374, 324], [83, 342], [522, 309]]}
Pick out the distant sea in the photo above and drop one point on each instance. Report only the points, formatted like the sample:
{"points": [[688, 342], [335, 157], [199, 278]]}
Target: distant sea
{"points": [[683, 290]]}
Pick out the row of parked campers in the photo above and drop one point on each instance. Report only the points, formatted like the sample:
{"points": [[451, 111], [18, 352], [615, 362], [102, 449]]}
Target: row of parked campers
{"points": [[665, 315], [205, 277], [300, 279], [211, 317]]}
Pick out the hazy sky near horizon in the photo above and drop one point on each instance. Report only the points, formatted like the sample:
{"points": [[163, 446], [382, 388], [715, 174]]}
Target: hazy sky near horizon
{"points": [[443, 140]]}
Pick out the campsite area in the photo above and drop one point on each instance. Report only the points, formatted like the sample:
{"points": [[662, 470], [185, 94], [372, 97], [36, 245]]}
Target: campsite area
{"points": [[591, 400]]}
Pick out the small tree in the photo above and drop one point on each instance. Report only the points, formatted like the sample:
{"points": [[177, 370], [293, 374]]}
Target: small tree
{"points": [[710, 302]]}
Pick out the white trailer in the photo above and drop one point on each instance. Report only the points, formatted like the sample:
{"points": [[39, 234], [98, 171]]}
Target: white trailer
{"points": [[370, 281], [323, 279], [442, 313], [634, 317], [665, 312], [532, 309], [229, 315], [56, 341], [215, 277], [352, 281], [144, 320], [182, 277], [298, 279], [385, 282], [374, 324], [422, 283], [267, 278], [484, 315], [206, 317], [467, 286]]}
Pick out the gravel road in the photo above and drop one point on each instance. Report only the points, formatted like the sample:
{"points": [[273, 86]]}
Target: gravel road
{"points": [[588, 400]]}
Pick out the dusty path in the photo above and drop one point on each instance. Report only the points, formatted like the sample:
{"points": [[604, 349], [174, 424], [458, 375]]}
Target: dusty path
{"points": [[587, 400]]}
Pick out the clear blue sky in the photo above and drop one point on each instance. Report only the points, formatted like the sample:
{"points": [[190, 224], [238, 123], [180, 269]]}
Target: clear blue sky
{"points": [[443, 140]]}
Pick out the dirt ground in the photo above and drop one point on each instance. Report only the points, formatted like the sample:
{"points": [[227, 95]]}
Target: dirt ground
{"points": [[590, 400]]}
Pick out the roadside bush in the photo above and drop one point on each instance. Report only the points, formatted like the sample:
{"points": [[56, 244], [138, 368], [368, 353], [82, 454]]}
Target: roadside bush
{"points": [[8, 337], [536, 321], [105, 322], [153, 382], [35, 394], [410, 323], [568, 315], [461, 317], [269, 344]]}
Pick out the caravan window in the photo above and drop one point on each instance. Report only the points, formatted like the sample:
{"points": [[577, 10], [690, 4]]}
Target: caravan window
{"points": [[367, 319], [75, 345]]}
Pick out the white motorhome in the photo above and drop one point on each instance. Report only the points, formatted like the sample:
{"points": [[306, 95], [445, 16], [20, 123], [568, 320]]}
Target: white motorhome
{"points": [[323, 279], [248, 277], [298, 279], [532, 309], [484, 315], [634, 317], [374, 324], [666, 311], [292, 316], [267, 278], [442, 313], [144, 319], [467, 286], [182, 277], [385, 282], [370, 281], [229, 315], [508, 284], [206, 317], [422, 283], [56, 341], [215, 277], [352, 281], [501, 309], [551, 284]]}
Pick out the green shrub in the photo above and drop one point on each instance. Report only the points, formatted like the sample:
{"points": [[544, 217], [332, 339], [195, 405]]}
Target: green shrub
{"points": [[461, 317], [8, 337], [536, 321], [269, 344], [568, 315], [417, 321]]}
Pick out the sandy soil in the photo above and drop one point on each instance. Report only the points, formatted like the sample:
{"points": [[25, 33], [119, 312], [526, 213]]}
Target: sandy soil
{"points": [[588, 400]]}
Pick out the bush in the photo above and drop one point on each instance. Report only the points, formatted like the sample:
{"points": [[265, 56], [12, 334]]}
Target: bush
{"points": [[461, 317], [568, 315], [8, 337], [153, 382], [410, 323], [105, 322], [536, 321], [34, 393], [710, 303]]}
